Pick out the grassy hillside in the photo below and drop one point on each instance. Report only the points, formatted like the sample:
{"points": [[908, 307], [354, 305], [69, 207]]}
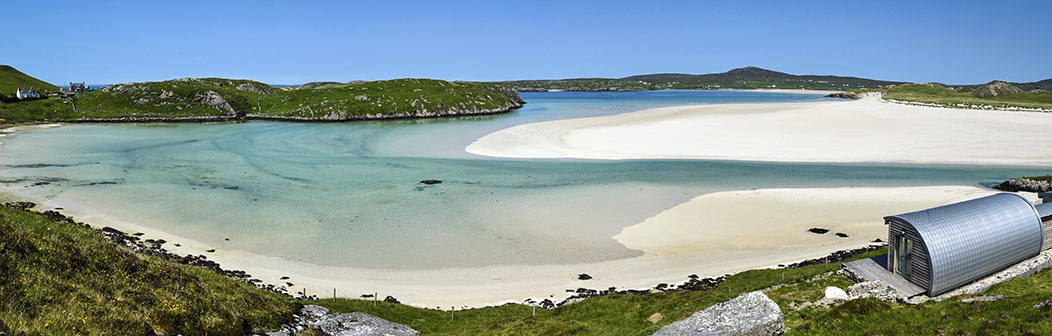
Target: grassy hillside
{"points": [[175, 98], [12, 79], [391, 97], [964, 97], [235, 99], [741, 78], [58, 278]]}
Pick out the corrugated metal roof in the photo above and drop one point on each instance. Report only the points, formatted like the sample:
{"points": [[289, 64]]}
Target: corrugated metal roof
{"points": [[1044, 209], [972, 239]]}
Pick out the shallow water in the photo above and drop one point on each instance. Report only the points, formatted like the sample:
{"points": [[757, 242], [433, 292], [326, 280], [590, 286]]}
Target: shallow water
{"points": [[349, 194]]}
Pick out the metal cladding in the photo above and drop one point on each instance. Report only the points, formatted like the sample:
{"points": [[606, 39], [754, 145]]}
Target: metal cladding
{"points": [[1044, 209], [969, 240]]}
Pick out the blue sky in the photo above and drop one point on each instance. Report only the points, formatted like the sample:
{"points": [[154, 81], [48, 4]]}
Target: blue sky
{"points": [[289, 42]]}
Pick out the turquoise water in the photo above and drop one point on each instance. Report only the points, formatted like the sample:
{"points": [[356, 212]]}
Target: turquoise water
{"points": [[348, 193]]}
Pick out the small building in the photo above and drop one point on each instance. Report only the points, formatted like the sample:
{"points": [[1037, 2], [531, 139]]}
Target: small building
{"points": [[943, 248], [26, 94], [78, 87]]}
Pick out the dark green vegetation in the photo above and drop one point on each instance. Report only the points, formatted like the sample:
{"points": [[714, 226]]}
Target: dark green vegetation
{"points": [[228, 99], [741, 78], [1047, 178], [992, 95], [58, 278], [11, 79]]}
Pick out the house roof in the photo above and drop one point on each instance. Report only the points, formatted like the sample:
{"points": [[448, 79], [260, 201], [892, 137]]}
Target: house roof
{"points": [[1044, 210]]}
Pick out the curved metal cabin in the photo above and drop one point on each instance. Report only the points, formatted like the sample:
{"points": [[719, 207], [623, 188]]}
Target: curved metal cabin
{"points": [[943, 248]]}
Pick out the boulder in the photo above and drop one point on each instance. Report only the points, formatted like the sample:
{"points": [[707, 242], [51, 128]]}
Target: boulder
{"points": [[748, 314], [835, 293]]}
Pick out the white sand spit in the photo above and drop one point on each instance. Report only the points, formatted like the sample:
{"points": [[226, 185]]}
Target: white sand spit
{"points": [[866, 130]]}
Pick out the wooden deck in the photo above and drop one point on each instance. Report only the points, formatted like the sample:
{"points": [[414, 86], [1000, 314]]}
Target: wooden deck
{"points": [[870, 269]]}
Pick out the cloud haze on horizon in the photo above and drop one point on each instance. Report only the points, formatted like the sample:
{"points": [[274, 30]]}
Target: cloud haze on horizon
{"points": [[294, 42]]}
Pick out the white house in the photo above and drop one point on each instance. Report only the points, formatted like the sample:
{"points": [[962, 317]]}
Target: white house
{"points": [[26, 93]]}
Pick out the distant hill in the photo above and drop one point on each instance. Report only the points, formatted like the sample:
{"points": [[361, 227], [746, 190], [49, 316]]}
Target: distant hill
{"points": [[11, 79], [740, 78]]}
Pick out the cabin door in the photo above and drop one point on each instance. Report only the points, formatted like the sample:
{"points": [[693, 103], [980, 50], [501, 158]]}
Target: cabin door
{"points": [[903, 256]]}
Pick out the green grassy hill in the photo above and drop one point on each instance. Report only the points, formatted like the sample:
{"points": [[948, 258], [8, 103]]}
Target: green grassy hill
{"points": [[964, 97], [228, 99], [399, 97], [12, 79], [59, 278], [184, 97]]}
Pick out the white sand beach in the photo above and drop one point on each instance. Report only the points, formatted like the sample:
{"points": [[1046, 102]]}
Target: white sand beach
{"points": [[866, 130], [769, 228]]}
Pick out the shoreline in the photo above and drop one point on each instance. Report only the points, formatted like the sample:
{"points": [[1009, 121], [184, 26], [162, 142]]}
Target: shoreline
{"points": [[533, 284], [868, 130]]}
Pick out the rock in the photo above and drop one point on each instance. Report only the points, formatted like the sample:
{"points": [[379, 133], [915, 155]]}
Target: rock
{"points": [[844, 95], [817, 230], [984, 299], [351, 324], [1044, 305], [584, 276], [996, 88], [1023, 184], [841, 235], [430, 182], [656, 317], [748, 314], [210, 250], [835, 293], [214, 100], [873, 289], [391, 299]]}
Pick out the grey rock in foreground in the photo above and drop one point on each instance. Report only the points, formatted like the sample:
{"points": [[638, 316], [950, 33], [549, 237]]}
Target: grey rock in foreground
{"points": [[748, 314], [350, 324]]}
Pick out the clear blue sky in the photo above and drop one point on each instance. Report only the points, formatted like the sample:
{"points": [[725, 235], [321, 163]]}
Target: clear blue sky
{"points": [[290, 42]]}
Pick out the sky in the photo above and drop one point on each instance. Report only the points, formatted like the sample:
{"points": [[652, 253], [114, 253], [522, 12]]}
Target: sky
{"points": [[292, 42]]}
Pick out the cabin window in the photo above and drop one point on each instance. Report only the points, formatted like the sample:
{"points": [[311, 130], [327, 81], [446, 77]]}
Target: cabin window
{"points": [[903, 255]]}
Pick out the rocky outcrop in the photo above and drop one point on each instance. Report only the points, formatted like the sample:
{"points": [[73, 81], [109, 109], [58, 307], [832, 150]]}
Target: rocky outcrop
{"points": [[844, 95], [996, 88], [320, 319], [748, 314], [1024, 184], [214, 100]]}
